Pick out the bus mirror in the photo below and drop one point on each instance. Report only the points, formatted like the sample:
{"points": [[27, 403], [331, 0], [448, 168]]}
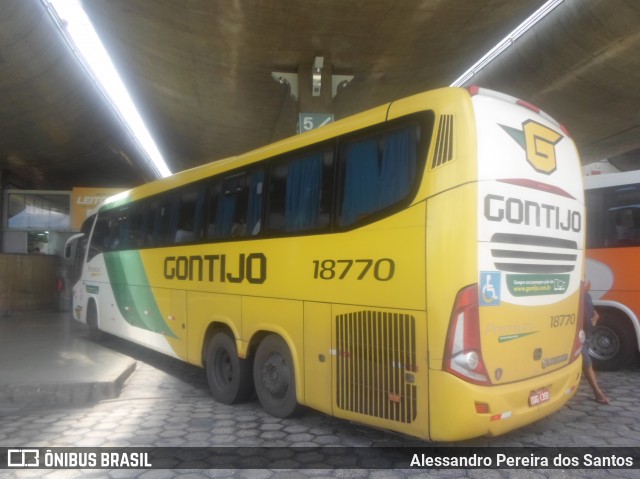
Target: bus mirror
{"points": [[68, 249]]}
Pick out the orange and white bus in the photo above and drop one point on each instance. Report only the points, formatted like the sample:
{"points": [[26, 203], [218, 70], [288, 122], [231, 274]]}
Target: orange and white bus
{"points": [[613, 262], [416, 267]]}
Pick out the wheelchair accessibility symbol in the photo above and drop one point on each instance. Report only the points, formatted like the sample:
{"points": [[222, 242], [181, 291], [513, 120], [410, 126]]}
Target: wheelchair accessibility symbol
{"points": [[490, 282]]}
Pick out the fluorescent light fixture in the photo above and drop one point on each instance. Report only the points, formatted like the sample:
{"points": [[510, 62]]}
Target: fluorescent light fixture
{"points": [[83, 40], [507, 41]]}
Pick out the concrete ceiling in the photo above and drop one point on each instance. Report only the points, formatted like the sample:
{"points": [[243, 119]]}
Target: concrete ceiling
{"points": [[200, 73], [56, 129], [581, 65]]}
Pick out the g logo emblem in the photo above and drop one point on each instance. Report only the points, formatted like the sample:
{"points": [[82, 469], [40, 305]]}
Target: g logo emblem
{"points": [[538, 142]]}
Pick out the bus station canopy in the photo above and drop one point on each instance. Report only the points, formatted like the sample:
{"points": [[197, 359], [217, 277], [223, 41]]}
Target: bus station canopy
{"points": [[200, 73]]}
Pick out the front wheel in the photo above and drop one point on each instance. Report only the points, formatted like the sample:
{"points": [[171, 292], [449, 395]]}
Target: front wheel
{"points": [[229, 376], [611, 346], [274, 377]]}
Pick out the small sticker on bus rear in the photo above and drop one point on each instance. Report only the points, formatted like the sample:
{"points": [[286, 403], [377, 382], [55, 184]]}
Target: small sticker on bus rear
{"points": [[537, 284], [490, 282]]}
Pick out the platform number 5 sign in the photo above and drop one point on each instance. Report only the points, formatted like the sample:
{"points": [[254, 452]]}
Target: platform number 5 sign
{"points": [[309, 121]]}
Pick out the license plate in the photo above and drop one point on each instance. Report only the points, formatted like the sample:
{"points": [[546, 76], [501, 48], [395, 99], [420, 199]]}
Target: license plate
{"points": [[539, 396]]}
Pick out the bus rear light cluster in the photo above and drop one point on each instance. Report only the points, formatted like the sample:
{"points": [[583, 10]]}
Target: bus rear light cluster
{"points": [[463, 353]]}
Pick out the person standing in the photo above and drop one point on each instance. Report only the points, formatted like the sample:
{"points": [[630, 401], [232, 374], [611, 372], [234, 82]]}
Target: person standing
{"points": [[591, 318]]}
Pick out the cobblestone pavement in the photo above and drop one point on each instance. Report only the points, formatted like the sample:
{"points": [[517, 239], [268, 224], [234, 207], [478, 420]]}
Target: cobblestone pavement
{"points": [[167, 403]]}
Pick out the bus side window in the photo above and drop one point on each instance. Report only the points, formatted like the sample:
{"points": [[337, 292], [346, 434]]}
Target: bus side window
{"points": [[81, 248], [277, 195], [300, 192], [229, 216], [189, 216], [255, 201], [150, 219], [145, 225], [596, 234], [100, 238], [132, 238], [613, 216], [377, 172], [235, 205], [121, 229], [162, 222], [78, 260], [625, 222], [214, 191]]}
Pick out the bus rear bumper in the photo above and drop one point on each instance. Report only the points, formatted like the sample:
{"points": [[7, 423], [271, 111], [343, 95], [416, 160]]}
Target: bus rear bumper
{"points": [[473, 411]]}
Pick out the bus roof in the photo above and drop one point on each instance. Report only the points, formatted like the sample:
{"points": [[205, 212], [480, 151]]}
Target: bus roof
{"points": [[346, 125], [611, 179]]}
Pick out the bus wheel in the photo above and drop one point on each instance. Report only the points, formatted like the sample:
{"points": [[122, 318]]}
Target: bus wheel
{"points": [[229, 376], [92, 322], [274, 377], [611, 346]]}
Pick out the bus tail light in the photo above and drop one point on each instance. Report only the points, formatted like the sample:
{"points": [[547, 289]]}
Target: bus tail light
{"points": [[473, 90], [528, 105], [579, 337], [463, 355], [565, 130]]}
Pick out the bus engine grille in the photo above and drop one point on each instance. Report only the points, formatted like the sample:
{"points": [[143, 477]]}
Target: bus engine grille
{"points": [[517, 253], [376, 364]]}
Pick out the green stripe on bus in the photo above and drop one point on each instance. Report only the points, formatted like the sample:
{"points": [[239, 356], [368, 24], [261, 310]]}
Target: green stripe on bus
{"points": [[132, 292]]}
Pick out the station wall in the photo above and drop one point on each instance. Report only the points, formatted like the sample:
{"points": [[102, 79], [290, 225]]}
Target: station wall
{"points": [[28, 282]]}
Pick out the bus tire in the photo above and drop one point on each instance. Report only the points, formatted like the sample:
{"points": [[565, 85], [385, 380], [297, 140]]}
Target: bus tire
{"points": [[612, 342], [229, 377], [92, 322], [274, 377]]}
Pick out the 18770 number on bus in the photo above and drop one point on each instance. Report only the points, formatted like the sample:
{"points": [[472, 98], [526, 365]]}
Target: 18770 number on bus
{"points": [[381, 269]]}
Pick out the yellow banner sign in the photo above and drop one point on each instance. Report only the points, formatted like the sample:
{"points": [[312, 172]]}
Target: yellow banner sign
{"points": [[83, 200]]}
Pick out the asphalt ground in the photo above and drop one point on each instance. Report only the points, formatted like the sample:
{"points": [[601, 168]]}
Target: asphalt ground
{"points": [[165, 403]]}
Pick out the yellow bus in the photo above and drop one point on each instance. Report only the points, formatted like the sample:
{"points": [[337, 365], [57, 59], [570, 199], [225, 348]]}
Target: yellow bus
{"points": [[416, 267]]}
